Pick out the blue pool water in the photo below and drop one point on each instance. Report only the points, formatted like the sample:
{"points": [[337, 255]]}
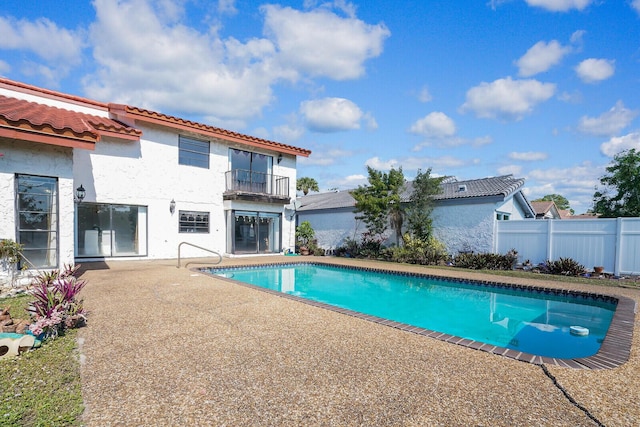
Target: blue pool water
{"points": [[532, 322]]}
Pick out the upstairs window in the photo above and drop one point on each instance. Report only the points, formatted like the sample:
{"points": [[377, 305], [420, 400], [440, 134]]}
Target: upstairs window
{"points": [[194, 222], [193, 152], [502, 217]]}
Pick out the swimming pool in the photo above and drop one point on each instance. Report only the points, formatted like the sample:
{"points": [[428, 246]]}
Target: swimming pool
{"points": [[527, 321]]}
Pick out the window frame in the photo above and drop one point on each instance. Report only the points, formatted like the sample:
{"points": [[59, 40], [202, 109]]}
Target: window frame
{"points": [[51, 211], [203, 226], [194, 152]]}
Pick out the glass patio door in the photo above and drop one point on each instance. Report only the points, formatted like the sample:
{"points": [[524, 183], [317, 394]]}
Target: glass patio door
{"points": [[253, 232]]}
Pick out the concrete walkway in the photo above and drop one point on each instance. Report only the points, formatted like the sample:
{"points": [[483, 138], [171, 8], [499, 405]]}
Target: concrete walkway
{"points": [[167, 346]]}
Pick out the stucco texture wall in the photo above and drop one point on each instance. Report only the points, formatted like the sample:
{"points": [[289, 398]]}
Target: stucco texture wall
{"points": [[333, 229], [464, 227], [41, 160]]}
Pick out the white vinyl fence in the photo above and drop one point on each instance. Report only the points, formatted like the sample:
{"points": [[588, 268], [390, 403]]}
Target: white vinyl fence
{"points": [[611, 243]]}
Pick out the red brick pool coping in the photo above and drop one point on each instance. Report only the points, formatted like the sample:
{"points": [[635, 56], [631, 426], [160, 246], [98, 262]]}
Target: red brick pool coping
{"points": [[614, 350]]}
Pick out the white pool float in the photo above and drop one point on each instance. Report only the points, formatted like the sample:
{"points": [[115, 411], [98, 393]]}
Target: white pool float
{"points": [[579, 331]]}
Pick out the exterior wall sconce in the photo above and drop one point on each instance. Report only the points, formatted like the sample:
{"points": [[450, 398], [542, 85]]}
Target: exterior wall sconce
{"points": [[172, 206], [279, 158], [80, 193]]}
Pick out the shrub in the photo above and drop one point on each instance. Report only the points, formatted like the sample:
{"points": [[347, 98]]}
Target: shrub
{"points": [[563, 266], [304, 233], [56, 306], [370, 246], [418, 251], [486, 261], [10, 251]]}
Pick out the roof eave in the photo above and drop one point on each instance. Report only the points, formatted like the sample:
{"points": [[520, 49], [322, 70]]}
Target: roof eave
{"points": [[47, 138], [126, 114]]}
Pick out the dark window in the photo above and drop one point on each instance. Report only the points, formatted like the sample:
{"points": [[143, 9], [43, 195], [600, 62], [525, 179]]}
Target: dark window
{"points": [[193, 152], [37, 222], [194, 222]]}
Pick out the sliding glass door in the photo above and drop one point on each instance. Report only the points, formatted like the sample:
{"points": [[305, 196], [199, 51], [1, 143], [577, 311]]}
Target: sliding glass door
{"points": [[107, 230], [253, 232]]}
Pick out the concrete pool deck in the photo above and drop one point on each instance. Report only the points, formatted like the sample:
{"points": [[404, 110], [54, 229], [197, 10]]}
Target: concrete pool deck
{"points": [[169, 346]]}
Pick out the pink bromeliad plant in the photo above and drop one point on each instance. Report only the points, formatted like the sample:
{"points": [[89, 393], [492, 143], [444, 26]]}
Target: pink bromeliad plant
{"points": [[56, 305]]}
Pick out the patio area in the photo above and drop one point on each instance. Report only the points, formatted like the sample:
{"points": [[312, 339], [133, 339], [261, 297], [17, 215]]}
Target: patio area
{"points": [[169, 346]]}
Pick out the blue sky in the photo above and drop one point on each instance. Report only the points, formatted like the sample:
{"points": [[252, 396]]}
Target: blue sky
{"points": [[547, 90]]}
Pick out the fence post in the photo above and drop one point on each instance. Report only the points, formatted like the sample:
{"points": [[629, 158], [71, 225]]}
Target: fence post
{"points": [[618, 255], [549, 238]]}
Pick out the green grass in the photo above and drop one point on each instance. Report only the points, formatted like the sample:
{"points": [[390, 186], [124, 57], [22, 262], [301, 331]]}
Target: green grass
{"points": [[41, 387]]}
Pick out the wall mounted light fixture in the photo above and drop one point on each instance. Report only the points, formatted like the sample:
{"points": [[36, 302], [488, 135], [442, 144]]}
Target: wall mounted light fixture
{"points": [[80, 193], [279, 158], [172, 206]]}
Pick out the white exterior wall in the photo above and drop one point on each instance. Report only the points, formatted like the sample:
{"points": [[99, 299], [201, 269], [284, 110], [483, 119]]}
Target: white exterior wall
{"points": [[147, 173], [460, 227], [332, 228], [464, 227], [42, 160]]}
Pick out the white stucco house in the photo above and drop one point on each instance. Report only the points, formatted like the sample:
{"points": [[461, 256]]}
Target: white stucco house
{"points": [[82, 180], [464, 217]]}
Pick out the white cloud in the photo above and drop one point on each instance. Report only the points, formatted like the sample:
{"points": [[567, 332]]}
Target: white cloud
{"points": [[332, 115], [42, 37], [4, 67], [574, 97], [584, 176], [510, 170], [321, 43], [288, 133], [348, 182], [608, 123], [507, 98], [576, 37], [59, 48], [576, 183], [227, 7], [620, 143], [326, 157], [528, 156], [540, 57], [162, 64], [559, 5], [414, 163], [378, 164], [636, 5], [434, 125], [593, 70], [425, 94]]}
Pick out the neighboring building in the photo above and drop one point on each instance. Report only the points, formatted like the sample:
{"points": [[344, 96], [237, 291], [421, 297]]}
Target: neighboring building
{"points": [[463, 218], [150, 181], [565, 213], [546, 210]]}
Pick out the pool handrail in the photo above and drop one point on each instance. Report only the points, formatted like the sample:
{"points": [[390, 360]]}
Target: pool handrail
{"points": [[199, 247]]}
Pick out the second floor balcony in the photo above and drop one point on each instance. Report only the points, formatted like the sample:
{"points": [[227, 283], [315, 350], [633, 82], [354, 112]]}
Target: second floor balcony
{"points": [[243, 184]]}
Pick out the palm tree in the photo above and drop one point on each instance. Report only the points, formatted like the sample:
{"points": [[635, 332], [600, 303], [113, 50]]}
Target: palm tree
{"points": [[306, 184]]}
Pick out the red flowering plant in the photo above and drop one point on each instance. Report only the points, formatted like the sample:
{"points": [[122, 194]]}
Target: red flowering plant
{"points": [[56, 306]]}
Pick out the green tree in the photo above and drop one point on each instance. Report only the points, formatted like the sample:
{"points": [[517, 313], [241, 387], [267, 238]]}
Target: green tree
{"points": [[620, 196], [306, 184], [560, 201], [421, 204], [379, 203]]}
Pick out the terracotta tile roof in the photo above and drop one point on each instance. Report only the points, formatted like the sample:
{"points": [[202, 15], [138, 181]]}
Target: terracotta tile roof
{"points": [[127, 112], [124, 111], [51, 94], [51, 125]]}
